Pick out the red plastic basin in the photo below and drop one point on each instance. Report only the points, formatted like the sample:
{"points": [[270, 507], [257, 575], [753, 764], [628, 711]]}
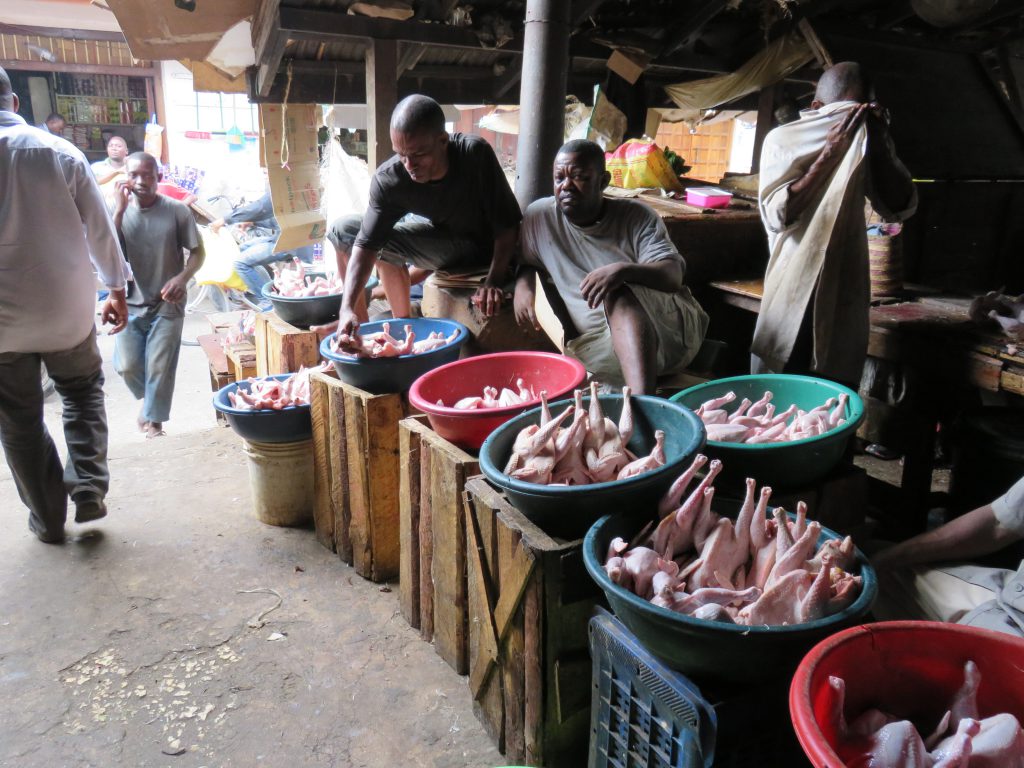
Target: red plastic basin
{"points": [[908, 668], [558, 375]]}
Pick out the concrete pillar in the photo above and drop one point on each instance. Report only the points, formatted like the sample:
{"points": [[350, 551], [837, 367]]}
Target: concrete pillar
{"points": [[381, 98], [542, 96]]}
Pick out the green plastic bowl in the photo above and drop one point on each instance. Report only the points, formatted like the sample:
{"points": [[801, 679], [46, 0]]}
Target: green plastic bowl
{"points": [[780, 465], [713, 650]]}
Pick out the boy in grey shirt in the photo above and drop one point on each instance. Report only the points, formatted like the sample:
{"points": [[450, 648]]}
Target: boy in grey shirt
{"points": [[155, 231]]}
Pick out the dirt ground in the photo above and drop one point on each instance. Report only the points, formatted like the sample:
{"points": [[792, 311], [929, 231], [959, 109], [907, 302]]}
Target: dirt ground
{"points": [[180, 631]]}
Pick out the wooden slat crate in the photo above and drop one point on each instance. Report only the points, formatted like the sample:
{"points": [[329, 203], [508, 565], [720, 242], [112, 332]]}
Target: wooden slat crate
{"points": [[283, 348], [220, 371], [530, 599], [432, 584], [241, 360], [355, 457]]}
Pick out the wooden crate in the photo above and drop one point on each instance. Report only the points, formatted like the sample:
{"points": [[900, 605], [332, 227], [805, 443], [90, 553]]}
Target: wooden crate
{"points": [[283, 348], [220, 371], [241, 360], [530, 599], [432, 583], [355, 481]]}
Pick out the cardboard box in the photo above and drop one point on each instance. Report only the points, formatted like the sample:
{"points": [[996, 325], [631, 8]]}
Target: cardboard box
{"points": [[628, 66], [289, 134]]}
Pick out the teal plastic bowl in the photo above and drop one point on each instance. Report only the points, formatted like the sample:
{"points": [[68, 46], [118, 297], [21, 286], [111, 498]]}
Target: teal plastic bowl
{"points": [[568, 511], [712, 650], [780, 465]]}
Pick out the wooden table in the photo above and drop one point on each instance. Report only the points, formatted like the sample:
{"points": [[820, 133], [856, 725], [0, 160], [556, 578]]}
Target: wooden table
{"points": [[933, 336]]}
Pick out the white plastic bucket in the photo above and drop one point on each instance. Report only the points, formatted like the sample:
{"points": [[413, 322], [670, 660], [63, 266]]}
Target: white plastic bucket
{"points": [[281, 479]]}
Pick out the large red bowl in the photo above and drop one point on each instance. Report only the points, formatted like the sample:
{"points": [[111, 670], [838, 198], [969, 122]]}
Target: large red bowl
{"points": [[558, 375], [908, 668]]}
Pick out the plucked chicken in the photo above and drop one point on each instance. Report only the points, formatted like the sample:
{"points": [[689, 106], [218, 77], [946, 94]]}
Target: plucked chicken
{"points": [[275, 394], [584, 449], [383, 344], [757, 423], [492, 398], [294, 283], [962, 739], [757, 570]]}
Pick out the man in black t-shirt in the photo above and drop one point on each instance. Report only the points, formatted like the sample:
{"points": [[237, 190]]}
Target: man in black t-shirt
{"points": [[464, 215]]}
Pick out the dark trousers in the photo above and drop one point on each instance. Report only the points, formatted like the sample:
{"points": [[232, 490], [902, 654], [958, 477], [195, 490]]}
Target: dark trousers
{"points": [[44, 486]]}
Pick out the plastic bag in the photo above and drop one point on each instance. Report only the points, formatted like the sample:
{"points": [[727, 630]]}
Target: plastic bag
{"points": [[154, 141], [640, 164], [218, 267]]}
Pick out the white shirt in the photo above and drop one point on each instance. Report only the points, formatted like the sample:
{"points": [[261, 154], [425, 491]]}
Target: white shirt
{"points": [[54, 228], [1009, 508]]}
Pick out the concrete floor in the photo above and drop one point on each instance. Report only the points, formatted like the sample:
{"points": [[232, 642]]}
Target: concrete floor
{"points": [[146, 640]]}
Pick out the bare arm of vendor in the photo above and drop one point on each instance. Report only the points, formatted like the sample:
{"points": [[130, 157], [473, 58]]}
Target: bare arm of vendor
{"points": [[980, 532], [490, 296]]}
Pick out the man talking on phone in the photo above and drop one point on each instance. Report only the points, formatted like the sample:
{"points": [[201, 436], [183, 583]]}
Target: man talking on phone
{"points": [[156, 232]]}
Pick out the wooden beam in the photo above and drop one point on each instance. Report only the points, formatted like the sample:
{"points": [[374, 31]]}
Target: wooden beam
{"points": [[300, 24], [817, 47], [82, 69], [682, 33], [895, 14], [509, 80], [381, 98], [583, 10], [269, 45], [765, 116], [409, 56], [62, 32]]}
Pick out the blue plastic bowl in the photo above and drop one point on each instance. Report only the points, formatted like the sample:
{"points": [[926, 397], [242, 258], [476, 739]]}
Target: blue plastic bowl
{"points": [[568, 511], [289, 425], [714, 650], [304, 311], [396, 374]]}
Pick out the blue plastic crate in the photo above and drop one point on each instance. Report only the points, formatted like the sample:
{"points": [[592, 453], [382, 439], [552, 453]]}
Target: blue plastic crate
{"points": [[643, 714]]}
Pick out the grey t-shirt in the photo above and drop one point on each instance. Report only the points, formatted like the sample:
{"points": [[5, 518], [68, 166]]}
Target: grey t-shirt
{"points": [[627, 231], [154, 241]]}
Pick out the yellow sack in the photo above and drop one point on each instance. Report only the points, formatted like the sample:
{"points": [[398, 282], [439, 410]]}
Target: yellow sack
{"points": [[218, 266], [640, 164]]}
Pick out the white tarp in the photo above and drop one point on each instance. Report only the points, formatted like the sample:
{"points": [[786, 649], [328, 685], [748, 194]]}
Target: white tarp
{"points": [[779, 59]]}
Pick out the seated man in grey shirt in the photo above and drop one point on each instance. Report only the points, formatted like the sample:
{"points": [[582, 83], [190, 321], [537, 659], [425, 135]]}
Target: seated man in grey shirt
{"points": [[920, 577], [617, 272]]}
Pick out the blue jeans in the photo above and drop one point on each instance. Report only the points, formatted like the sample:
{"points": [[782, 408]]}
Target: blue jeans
{"points": [[146, 356], [31, 455], [257, 255]]}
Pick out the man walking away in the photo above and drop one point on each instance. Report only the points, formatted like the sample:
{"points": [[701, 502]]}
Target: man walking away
{"points": [[155, 231], [47, 306]]}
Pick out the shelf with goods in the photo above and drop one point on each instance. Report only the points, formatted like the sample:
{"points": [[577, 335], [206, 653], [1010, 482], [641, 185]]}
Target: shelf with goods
{"points": [[97, 106]]}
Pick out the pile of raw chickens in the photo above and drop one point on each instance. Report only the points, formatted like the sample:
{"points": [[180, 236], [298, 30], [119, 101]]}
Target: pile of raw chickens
{"points": [[755, 570], [383, 344], [293, 283], [494, 399], [591, 449], [877, 739], [275, 394], [241, 332], [756, 423]]}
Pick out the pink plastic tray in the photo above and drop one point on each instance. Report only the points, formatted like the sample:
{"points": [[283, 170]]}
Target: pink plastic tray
{"points": [[708, 197]]}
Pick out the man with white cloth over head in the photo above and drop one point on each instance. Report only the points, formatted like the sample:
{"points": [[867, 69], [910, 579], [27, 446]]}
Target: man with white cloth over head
{"points": [[815, 174]]}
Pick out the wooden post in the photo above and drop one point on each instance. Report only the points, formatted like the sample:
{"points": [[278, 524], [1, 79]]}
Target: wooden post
{"points": [[381, 98], [765, 118]]}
